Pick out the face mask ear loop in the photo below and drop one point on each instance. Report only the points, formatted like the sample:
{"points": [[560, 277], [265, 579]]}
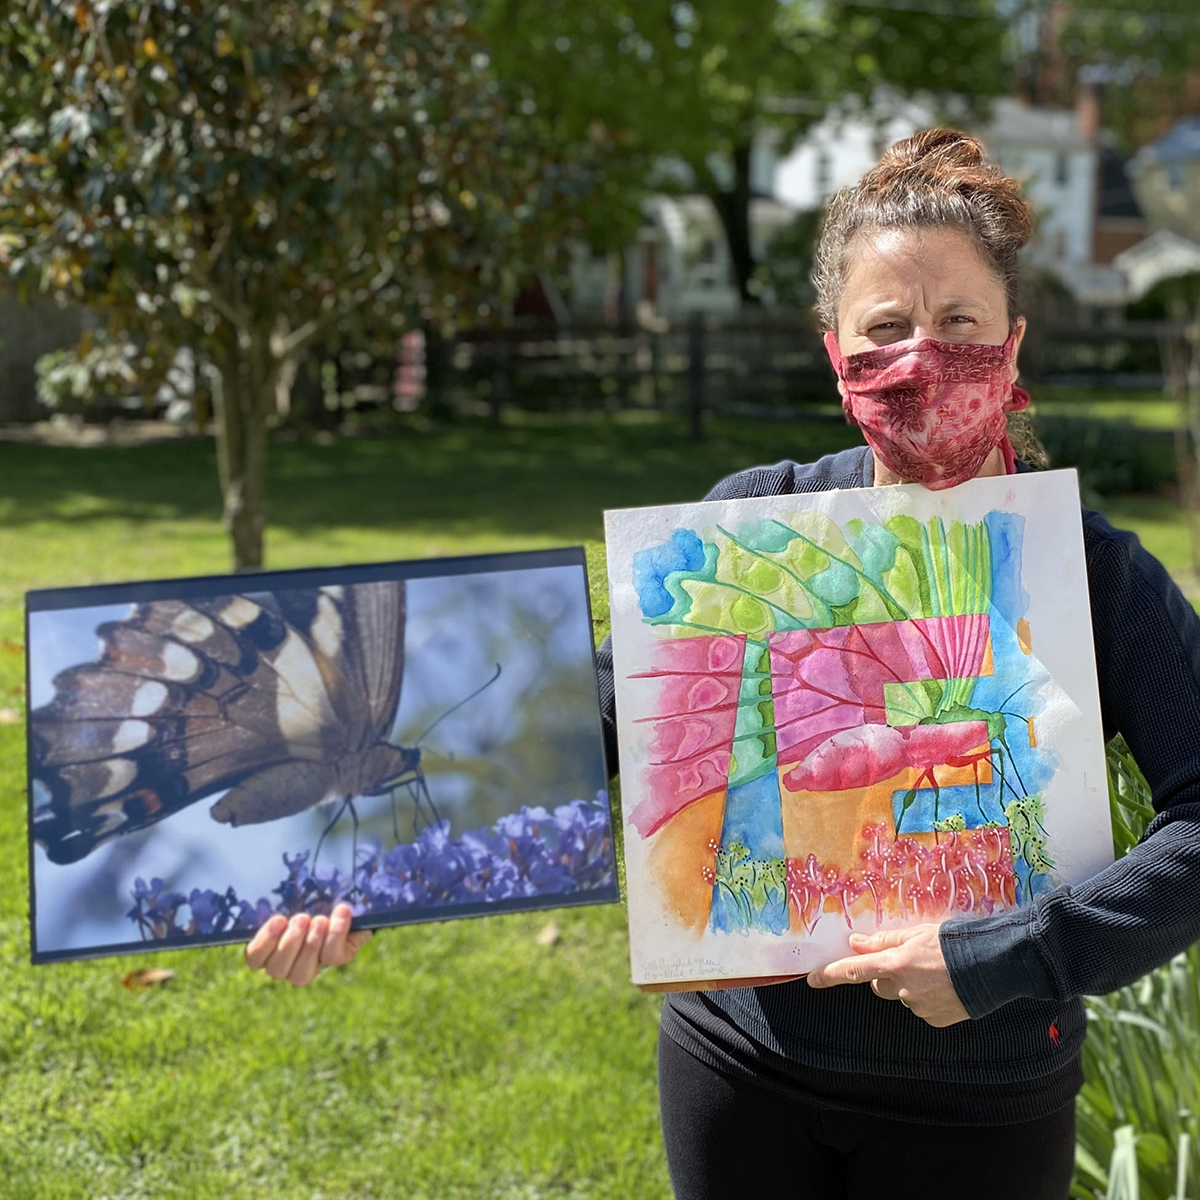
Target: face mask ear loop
{"points": [[836, 359], [838, 362]]}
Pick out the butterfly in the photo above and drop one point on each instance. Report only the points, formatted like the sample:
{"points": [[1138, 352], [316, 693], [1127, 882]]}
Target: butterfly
{"points": [[278, 700]]}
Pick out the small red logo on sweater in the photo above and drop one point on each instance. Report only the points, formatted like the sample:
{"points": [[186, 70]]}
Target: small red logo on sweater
{"points": [[1054, 1034]]}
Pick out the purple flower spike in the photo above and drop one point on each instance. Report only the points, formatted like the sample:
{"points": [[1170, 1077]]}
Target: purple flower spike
{"points": [[529, 853]]}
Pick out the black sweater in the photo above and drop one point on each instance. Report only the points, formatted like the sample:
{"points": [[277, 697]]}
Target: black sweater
{"points": [[1020, 974]]}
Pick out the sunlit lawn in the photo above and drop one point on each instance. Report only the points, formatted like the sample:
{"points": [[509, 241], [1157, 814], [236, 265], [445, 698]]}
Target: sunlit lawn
{"points": [[456, 1060], [1144, 409]]}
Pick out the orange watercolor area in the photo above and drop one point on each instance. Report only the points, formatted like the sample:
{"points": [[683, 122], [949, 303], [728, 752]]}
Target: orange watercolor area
{"points": [[988, 665], [683, 856], [1024, 637]]}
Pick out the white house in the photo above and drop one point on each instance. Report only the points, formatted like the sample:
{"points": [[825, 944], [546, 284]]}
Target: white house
{"points": [[680, 262], [1047, 148]]}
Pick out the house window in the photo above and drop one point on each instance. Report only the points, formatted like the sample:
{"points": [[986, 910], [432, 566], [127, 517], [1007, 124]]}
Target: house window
{"points": [[1062, 169]]}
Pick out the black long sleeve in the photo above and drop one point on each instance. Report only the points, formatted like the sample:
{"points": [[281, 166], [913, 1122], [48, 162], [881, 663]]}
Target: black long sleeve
{"points": [[1136, 914]]}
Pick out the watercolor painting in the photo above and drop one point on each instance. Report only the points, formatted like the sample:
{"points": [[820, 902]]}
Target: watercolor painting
{"points": [[420, 740], [833, 717]]}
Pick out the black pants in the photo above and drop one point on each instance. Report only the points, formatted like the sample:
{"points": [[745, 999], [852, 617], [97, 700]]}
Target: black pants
{"points": [[726, 1137]]}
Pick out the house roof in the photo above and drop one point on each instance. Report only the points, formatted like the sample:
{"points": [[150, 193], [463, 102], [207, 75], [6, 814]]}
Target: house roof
{"points": [[1163, 255], [1015, 123]]}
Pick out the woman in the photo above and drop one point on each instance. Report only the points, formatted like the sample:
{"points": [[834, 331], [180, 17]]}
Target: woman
{"points": [[941, 1059]]}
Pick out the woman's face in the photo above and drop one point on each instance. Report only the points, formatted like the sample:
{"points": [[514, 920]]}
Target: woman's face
{"points": [[913, 283]]}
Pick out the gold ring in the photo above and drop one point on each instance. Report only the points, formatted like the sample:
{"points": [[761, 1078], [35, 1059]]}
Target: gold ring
{"points": [[904, 1002]]}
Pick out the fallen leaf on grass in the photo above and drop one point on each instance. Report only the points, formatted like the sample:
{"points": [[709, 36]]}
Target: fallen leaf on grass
{"points": [[11, 647], [549, 934], [135, 981], [9, 716]]}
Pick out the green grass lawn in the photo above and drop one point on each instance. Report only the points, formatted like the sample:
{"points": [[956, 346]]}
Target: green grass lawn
{"points": [[455, 1060], [1145, 409]]}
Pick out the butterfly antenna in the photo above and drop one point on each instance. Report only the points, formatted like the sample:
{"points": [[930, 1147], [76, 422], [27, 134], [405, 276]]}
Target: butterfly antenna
{"points": [[456, 707], [337, 816]]}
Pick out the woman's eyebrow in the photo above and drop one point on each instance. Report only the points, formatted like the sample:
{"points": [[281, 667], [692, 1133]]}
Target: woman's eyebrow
{"points": [[883, 311], [952, 302]]}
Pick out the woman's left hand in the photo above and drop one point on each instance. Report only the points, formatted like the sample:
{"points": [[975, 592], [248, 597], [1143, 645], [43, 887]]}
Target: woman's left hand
{"points": [[900, 964]]}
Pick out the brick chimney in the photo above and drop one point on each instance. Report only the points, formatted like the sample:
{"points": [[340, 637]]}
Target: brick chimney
{"points": [[1089, 105]]}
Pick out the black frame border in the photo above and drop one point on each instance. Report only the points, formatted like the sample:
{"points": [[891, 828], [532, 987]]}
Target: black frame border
{"points": [[192, 586]]}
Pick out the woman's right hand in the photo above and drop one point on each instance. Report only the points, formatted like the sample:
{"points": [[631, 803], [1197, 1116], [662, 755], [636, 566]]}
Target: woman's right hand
{"points": [[296, 950]]}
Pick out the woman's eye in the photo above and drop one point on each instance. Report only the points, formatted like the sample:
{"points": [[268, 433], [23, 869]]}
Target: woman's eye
{"points": [[961, 318]]}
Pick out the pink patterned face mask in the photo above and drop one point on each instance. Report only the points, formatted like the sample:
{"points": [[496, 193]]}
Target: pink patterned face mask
{"points": [[932, 411]]}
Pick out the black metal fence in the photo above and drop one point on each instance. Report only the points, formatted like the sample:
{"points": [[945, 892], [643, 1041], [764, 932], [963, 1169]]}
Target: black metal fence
{"points": [[768, 366], [763, 365], [702, 365]]}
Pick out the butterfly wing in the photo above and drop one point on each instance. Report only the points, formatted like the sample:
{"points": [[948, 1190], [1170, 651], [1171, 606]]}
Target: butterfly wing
{"points": [[356, 637], [380, 610], [187, 699]]}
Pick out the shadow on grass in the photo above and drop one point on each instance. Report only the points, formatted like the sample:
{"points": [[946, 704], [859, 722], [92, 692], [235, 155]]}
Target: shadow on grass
{"points": [[461, 478]]}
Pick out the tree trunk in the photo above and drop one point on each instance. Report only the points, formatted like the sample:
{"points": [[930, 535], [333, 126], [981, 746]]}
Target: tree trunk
{"points": [[285, 377], [245, 397], [733, 207]]}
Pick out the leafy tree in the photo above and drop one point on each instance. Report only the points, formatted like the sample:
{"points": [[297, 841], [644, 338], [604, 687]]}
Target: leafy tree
{"points": [[244, 179], [696, 80], [1143, 54]]}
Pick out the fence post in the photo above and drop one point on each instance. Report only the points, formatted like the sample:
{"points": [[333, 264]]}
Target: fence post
{"points": [[695, 375], [501, 377], [437, 400]]}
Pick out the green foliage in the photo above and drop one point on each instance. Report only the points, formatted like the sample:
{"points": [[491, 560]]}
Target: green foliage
{"points": [[1027, 834], [1138, 1116], [243, 179], [191, 164], [750, 883], [1112, 457], [694, 82], [785, 273], [1141, 50]]}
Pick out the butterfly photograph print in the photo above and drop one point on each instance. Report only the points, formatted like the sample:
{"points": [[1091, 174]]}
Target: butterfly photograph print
{"points": [[420, 740]]}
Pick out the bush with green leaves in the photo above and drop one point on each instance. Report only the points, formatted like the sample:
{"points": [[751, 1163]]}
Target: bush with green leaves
{"points": [[1138, 1115], [248, 180], [1112, 457]]}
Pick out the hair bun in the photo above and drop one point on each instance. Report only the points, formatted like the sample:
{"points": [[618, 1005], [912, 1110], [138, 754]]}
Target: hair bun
{"points": [[936, 178], [934, 152], [950, 162]]}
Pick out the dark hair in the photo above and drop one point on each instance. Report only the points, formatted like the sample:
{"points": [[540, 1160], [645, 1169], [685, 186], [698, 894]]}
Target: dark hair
{"points": [[934, 179]]}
